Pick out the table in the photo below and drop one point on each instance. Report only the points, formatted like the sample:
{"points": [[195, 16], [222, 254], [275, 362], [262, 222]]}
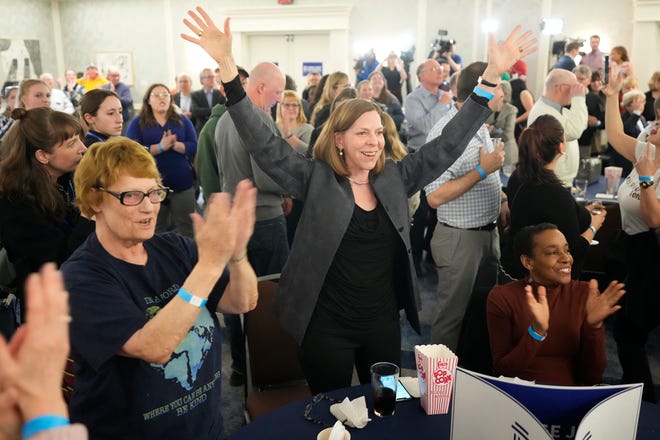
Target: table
{"points": [[409, 421]]}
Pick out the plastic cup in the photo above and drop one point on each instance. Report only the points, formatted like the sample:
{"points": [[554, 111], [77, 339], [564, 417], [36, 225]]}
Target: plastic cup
{"points": [[612, 179], [581, 188], [384, 380]]}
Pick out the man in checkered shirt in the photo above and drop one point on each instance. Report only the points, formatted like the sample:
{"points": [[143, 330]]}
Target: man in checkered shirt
{"points": [[468, 197]]}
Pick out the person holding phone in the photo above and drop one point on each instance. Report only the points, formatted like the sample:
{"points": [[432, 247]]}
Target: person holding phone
{"points": [[639, 200]]}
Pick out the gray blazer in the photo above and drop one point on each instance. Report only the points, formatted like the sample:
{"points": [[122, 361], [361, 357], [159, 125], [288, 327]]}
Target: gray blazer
{"points": [[329, 205]]}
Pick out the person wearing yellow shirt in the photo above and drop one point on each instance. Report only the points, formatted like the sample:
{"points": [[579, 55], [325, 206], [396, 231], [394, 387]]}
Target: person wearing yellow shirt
{"points": [[92, 80]]}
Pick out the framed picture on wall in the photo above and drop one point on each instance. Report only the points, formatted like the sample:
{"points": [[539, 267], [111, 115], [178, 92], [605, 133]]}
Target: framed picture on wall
{"points": [[19, 59], [122, 60]]}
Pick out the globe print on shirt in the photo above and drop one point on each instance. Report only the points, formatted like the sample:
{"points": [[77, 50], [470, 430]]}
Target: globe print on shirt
{"points": [[189, 356]]}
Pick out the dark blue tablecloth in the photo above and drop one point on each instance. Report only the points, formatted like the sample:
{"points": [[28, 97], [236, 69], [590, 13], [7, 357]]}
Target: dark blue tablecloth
{"points": [[409, 421]]}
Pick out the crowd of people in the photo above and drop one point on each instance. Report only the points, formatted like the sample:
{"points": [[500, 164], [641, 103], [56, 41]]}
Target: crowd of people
{"points": [[342, 190]]}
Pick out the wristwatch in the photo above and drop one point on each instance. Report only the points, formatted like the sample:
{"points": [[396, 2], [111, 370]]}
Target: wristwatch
{"points": [[646, 183]]}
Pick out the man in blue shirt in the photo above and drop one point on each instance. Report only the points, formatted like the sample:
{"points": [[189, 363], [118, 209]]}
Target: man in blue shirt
{"points": [[123, 91]]}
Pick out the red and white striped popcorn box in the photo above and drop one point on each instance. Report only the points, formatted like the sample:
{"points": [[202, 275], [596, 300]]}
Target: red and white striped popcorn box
{"points": [[436, 368]]}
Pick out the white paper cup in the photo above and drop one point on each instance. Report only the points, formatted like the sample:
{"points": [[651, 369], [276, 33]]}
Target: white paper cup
{"points": [[325, 435]]}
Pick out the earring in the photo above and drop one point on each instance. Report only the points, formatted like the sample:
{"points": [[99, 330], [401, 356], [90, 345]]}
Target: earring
{"points": [[341, 152]]}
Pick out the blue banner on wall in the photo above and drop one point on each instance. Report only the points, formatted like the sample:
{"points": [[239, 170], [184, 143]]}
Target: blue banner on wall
{"points": [[309, 67]]}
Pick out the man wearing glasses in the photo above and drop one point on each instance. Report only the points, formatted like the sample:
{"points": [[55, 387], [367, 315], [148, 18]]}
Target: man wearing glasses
{"points": [[203, 100], [563, 89]]}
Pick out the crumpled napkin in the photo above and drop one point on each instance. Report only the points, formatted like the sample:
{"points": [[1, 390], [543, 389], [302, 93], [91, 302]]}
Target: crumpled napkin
{"points": [[354, 413], [338, 431]]}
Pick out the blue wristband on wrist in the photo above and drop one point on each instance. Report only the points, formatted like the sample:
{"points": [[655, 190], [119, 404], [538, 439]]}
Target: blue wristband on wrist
{"points": [[593, 229], [42, 423], [481, 171], [535, 335], [190, 298], [483, 93], [160, 147], [645, 178]]}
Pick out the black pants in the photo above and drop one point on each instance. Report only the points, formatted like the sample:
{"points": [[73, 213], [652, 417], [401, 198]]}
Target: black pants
{"points": [[329, 351], [640, 312]]}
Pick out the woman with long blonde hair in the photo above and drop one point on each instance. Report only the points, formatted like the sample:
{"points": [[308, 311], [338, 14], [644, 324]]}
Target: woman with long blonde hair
{"points": [[336, 82]]}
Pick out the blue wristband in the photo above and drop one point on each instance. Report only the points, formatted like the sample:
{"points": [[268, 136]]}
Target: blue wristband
{"points": [[645, 178], [481, 171], [160, 147], [43, 423], [535, 335], [483, 93], [190, 298], [593, 229]]}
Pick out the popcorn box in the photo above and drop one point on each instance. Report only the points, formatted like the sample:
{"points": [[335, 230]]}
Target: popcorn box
{"points": [[436, 368]]}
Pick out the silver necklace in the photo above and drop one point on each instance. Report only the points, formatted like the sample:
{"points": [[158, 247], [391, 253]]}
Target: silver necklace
{"points": [[356, 181]]}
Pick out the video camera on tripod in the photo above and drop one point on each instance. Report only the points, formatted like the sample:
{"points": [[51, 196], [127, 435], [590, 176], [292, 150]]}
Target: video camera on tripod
{"points": [[441, 45]]}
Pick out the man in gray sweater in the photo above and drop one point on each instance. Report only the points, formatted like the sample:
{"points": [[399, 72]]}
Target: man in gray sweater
{"points": [[268, 248]]}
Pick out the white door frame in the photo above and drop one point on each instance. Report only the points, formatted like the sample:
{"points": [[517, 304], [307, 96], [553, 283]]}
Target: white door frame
{"points": [[333, 19]]}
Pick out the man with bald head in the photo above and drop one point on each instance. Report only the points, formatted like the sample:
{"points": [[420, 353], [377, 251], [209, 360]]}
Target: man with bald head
{"points": [[562, 89], [58, 99], [268, 248]]}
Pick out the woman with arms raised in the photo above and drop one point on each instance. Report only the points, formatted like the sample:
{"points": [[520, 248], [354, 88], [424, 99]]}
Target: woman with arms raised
{"points": [[639, 199], [339, 293]]}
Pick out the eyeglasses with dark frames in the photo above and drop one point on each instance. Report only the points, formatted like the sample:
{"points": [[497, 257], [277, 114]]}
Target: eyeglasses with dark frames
{"points": [[133, 198], [310, 406]]}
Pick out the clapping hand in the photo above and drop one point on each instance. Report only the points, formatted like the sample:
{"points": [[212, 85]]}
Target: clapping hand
{"points": [[31, 365], [538, 309], [168, 140], [222, 234], [602, 305]]}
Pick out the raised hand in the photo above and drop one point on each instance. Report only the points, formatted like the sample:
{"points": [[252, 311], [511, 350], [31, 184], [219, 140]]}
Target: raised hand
{"points": [[538, 309], [501, 56], [646, 165], [615, 80], [602, 305], [207, 35]]}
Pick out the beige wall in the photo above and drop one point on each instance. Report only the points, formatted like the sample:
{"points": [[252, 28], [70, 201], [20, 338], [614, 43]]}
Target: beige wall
{"points": [[150, 29]]}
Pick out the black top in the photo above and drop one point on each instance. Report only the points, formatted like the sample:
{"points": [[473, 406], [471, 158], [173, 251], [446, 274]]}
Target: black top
{"points": [[393, 79], [94, 137], [649, 111], [551, 203], [359, 288], [33, 237], [595, 107]]}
